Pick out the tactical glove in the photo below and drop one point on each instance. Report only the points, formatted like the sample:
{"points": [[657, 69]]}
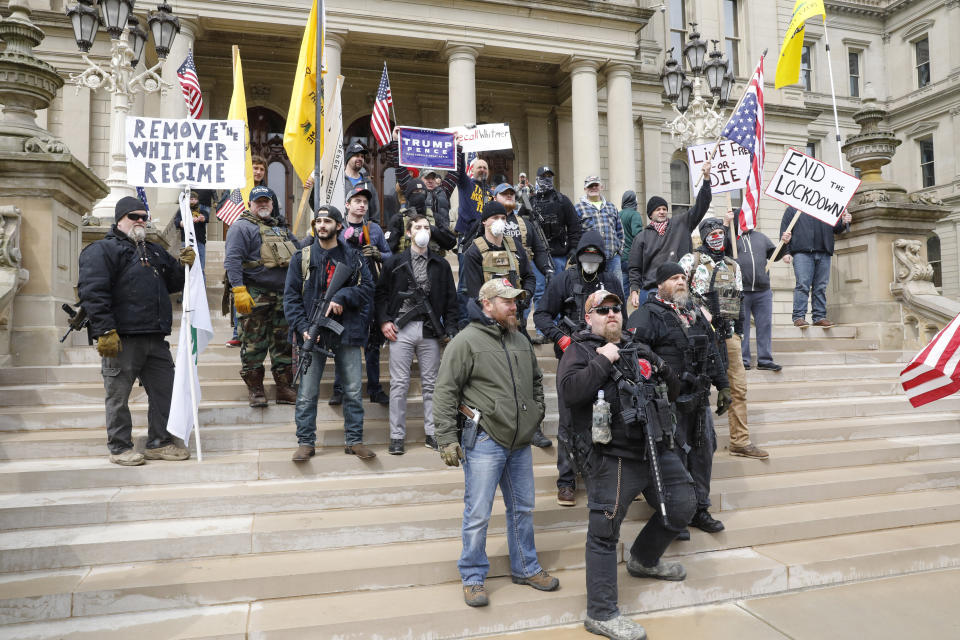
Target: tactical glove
{"points": [[563, 343], [671, 380], [452, 454], [108, 345], [187, 256], [723, 401], [242, 300], [371, 251]]}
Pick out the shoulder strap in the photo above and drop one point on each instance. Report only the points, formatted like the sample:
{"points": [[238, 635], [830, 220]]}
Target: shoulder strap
{"points": [[305, 265]]}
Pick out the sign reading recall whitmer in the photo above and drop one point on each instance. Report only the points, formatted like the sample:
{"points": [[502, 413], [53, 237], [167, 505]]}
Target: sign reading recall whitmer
{"points": [[427, 149], [812, 186], [484, 137], [729, 170], [198, 153]]}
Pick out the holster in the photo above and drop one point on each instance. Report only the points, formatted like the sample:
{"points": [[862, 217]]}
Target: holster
{"points": [[577, 447]]}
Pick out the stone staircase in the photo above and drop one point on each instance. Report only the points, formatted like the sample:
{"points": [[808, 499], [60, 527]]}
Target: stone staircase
{"points": [[249, 545]]}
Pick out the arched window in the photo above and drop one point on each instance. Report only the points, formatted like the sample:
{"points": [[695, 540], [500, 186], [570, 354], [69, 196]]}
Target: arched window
{"points": [[679, 186]]}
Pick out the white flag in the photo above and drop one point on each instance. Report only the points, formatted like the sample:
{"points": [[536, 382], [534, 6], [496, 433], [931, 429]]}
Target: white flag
{"points": [[331, 180], [196, 331]]}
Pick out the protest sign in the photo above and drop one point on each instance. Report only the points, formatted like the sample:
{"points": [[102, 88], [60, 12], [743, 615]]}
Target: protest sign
{"points": [[728, 170], [165, 152], [427, 149], [812, 187], [484, 137]]}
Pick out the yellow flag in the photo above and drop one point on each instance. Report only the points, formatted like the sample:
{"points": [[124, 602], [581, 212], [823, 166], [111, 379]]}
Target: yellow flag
{"points": [[302, 131], [788, 66], [238, 111]]}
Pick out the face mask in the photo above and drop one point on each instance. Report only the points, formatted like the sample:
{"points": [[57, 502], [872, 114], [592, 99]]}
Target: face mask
{"points": [[715, 241], [498, 227], [422, 238], [590, 267], [545, 183]]}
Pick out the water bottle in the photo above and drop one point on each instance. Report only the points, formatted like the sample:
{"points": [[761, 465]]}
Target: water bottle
{"points": [[601, 420]]}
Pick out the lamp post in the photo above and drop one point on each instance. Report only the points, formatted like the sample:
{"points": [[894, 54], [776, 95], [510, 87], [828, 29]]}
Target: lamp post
{"points": [[119, 78], [698, 121]]}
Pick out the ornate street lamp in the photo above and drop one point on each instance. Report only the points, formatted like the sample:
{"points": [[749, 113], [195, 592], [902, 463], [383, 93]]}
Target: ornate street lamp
{"points": [[138, 38], [165, 27], [728, 81], [694, 51], [671, 77], [85, 21], [114, 14], [683, 100], [715, 70]]}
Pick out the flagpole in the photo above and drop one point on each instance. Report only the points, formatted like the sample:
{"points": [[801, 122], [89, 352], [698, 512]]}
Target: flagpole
{"points": [[318, 114], [833, 95], [188, 313], [393, 108]]}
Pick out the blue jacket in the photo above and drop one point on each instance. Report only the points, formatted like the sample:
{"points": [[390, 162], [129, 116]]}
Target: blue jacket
{"points": [[298, 300], [809, 235], [471, 198]]}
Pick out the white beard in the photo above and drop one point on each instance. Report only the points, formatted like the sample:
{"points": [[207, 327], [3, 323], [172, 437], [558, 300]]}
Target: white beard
{"points": [[138, 234]]}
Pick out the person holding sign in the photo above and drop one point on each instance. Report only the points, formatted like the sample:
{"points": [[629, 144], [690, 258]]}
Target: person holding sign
{"points": [[810, 245]]}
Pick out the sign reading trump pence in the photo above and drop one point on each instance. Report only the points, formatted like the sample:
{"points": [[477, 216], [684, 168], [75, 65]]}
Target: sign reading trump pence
{"points": [[427, 149], [728, 169], [164, 152], [812, 186]]}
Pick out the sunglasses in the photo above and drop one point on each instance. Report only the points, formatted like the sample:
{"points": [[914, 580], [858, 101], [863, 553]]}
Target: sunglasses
{"points": [[139, 217], [605, 310]]}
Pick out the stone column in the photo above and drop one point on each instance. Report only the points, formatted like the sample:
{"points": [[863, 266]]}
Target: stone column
{"points": [[538, 138], [620, 138], [586, 120], [654, 183], [332, 52], [565, 181], [462, 83]]}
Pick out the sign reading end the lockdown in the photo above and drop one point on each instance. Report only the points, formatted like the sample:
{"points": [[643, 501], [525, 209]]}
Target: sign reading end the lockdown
{"points": [[164, 152], [812, 186]]}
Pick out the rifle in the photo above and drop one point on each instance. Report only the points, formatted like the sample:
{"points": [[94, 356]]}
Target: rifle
{"points": [[422, 304], [694, 401], [374, 265], [78, 320], [322, 329], [536, 221]]}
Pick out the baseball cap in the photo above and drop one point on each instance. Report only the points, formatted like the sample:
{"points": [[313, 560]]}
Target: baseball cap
{"points": [[415, 185], [429, 172], [503, 186], [329, 211], [544, 169], [599, 296], [261, 192], [492, 208], [589, 180], [354, 149], [591, 254], [359, 190], [500, 288]]}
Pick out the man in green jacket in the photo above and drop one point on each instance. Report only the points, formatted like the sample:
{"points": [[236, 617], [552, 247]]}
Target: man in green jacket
{"points": [[489, 382]]}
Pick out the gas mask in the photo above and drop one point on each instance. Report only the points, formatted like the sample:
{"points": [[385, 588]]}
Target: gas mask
{"points": [[422, 238], [498, 227]]}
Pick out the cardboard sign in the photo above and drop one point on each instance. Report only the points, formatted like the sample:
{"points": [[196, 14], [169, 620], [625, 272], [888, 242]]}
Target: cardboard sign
{"points": [[484, 137], [427, 149], [729, 170], [812, 186], [164, 152]]}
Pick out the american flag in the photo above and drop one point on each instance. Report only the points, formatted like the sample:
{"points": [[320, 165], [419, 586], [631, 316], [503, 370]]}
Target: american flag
{"points": [[142, 195], [232, 207], [380, 119], [935, 372], [190, 84], [746, 129]]}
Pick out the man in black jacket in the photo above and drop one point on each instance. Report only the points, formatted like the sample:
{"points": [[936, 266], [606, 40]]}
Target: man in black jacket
{"points": [[619, 469], [558, 218], [124, 287], [677, 332], [408, 324]]}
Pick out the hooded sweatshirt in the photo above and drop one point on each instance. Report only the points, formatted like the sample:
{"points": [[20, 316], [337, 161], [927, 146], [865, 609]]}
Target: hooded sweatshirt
{"points": [[632, 221]]}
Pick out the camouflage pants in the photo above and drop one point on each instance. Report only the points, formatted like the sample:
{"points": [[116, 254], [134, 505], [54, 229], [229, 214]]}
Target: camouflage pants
{"points": [[264, 330]]}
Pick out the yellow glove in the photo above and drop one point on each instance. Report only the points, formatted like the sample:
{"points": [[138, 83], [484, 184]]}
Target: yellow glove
{"points": [[108, 345], [187, 256], [242, 300], [452, 454]]}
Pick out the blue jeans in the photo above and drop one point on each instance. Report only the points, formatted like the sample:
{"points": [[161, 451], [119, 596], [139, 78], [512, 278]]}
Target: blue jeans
{"points": [[348, 361], [643, 294], [537, 292], [759, 304], [559, 264], [613, 267], [812, 271], [486, 465]]}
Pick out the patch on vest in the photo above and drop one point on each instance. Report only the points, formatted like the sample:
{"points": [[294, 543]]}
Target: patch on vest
{"points": [[645, 368]]}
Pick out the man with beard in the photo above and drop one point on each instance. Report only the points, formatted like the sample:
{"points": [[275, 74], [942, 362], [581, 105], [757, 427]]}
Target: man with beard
{"points": [[258, 250], [310, 272], [490, 384], [124, 287], [678, 333], [559, 316], [621, 466], [664, 240]]}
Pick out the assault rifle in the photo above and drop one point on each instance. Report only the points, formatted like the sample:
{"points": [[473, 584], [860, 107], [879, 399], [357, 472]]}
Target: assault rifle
{"points": [[323, 333], [422, 305], [696, 357], [78, 320], [536, 221]]}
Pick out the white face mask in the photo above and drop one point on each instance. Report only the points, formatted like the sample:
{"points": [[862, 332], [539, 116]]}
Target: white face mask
{"points": [[498, 227], [715, 241], [422, 238], [590, 267]]}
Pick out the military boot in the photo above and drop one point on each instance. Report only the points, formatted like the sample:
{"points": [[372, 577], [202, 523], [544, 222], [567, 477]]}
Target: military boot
{"points": [[286, 394], [254, 381]]}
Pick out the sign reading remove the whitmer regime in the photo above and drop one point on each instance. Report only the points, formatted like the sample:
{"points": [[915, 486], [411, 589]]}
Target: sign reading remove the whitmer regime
{"points": [[164, 152], [812, 186]]}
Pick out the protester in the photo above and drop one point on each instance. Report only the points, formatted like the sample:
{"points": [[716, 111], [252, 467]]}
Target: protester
{"points": [[415, 292], [495, 255], [597, 213], [201, 216], [664, 240], [437, 189], [716, 284], [632, 223], [355, 175], [474, 192], [810, 245], [260, 180], [682, 337], [619, 470], [559, 316], [124, 287], [311, 271], [257, 252], [442, 239], [557, 217], [489, 374]]}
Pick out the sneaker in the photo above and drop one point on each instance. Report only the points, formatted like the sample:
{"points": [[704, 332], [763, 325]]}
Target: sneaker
{"points": [[431, 443], [303, 453], [749, 451], [566, 497], [672, 571], [769, 366], [540, 440], [359, 450], [169, 452], [129, 458], [475, 595], [619, 628], [542, 581], [396, 447], [800, 322], [336, 399], [823, 322], [705, 522], [233, 343], [380, 398]]}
